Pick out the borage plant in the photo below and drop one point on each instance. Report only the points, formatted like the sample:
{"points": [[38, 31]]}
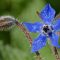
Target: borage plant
{"points": [[46, 29]]}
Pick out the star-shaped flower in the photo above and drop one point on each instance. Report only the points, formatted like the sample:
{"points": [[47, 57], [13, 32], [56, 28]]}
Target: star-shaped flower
{"points": [[46, 29]]}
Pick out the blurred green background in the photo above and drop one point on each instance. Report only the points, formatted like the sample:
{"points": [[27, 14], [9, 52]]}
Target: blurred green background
{"points": [[13, 43]]}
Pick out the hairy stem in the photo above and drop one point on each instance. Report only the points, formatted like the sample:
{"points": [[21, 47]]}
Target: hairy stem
{"points": [[55, 52], [21, 26], [38, 57], [27, 34]]}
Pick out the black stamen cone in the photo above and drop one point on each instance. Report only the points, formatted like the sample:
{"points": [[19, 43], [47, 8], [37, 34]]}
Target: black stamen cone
{"points": [[46, 29]]}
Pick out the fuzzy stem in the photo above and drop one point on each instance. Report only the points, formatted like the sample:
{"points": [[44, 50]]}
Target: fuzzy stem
{"points": [[21, 26], [38, 57], [55, 51], [27, 34]]}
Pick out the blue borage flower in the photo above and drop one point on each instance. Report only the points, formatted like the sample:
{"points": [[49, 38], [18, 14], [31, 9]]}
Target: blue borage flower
{"points": [[45, 29]]}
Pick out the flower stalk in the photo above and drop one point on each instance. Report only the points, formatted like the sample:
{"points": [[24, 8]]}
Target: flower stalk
{"points": [[27, 34], [38, 57], [55, 52]]}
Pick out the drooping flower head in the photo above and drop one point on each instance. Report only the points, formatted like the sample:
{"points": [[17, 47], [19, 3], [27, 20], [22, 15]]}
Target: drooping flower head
{"points": [[45, 29]]}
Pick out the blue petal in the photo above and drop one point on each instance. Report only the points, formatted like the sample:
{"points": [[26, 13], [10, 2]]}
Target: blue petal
{"points": [[54, 40], [33, 27], [56, 26], [47, 14], [39, 43]]}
